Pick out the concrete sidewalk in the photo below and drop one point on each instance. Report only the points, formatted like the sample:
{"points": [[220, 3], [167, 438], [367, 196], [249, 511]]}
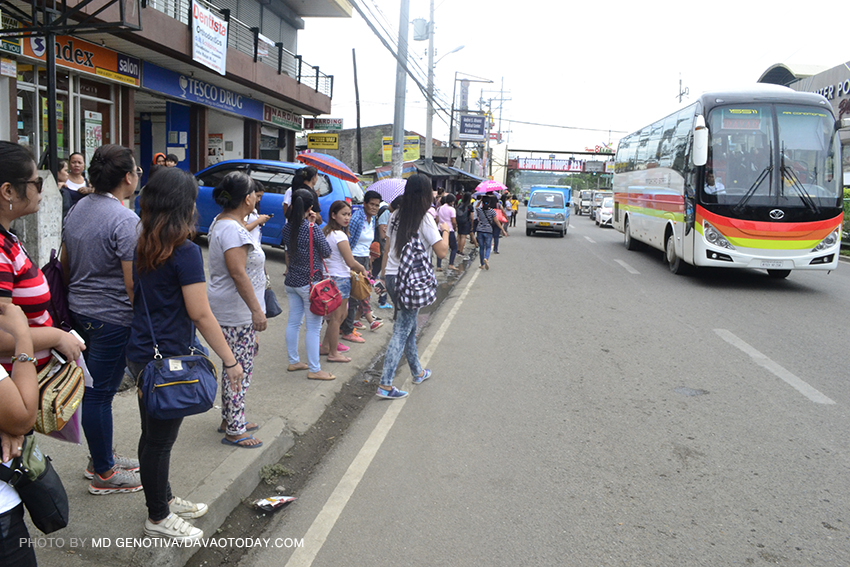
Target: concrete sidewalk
{"points": [[283, 403]]}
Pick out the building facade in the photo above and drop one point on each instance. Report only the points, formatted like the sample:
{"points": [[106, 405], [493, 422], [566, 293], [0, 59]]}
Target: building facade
{"points": [[154, 91]]}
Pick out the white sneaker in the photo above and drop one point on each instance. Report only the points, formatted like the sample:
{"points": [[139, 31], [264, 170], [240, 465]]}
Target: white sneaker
{"points": [[187, 510], [173, 527]]}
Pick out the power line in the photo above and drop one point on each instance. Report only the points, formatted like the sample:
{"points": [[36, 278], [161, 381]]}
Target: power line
{"points": [[565, 127]]}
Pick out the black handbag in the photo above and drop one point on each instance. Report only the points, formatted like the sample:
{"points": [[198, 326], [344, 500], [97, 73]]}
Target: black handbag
{"points": [[177, 386], [32, 475], [273, 308]]}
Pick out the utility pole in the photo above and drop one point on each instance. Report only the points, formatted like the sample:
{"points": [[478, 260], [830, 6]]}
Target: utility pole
{"points": [[400, 87], [429, 126]]}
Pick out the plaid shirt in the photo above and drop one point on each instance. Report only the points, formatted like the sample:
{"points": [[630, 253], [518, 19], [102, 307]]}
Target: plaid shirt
{"points": [[415, 284]]}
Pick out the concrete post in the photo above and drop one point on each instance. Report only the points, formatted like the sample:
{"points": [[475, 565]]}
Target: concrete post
{"points": [[42, 232]]}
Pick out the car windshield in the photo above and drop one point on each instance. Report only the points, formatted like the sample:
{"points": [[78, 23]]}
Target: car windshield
{"points": [[765, 155], [554, 200], [356, 192], [608, 203]]}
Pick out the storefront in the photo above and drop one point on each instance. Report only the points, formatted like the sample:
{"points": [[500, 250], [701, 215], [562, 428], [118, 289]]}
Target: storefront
{"points": [[89, 97]]}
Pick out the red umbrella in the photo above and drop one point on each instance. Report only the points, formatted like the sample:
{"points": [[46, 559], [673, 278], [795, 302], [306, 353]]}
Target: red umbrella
{"points": [[328, 164]]}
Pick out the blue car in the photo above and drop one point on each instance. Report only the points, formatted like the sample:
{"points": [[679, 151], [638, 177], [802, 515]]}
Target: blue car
{"points": [[276, 177]]}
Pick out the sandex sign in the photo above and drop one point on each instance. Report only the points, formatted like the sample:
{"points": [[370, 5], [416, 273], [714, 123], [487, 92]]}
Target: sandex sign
{"points": [[74, 53]]}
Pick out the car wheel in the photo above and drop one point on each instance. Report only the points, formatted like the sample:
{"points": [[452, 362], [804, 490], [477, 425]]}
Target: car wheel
{"points": [[563, 233], [779, 274], [628, 241], [677, 265], [528, 232]]}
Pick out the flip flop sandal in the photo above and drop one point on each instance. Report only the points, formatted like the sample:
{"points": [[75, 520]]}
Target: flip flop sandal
{"points": [[226, 441], [346, 359], [297, 367], [247, 429], [314, 377]]}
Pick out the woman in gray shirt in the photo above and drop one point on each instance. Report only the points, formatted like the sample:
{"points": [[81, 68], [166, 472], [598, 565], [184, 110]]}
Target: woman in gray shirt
{"points": [[99, 243], [236, 293]]}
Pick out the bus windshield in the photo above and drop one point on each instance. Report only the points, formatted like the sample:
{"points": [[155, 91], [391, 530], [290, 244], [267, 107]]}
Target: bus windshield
{"points": [[771, 155]]}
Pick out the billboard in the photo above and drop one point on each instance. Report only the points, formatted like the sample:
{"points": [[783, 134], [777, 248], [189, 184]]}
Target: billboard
{"points": [[472, 128], [209, 39], [411, 148], [323, 141]]}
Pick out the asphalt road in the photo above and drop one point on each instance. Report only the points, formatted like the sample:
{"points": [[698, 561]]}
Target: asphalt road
{"points": [[589, 408]]}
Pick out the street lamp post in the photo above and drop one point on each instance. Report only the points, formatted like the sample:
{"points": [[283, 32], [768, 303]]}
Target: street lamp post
{"points": [[429, 125]]}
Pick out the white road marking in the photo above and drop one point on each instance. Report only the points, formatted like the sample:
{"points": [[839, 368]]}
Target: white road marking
{"points": [[589, 239], [627, 267], [318, 532], [763, 361]]}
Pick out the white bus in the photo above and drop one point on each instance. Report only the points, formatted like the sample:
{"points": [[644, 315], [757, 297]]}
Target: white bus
{"points": [[741, 179]]}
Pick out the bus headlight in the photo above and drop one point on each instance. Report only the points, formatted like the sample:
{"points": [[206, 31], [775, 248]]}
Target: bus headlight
{"points": [[828, 242], [713, 236]]}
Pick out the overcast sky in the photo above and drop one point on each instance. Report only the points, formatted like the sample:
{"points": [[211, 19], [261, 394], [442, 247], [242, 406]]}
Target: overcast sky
{"points": [[607, 66]]}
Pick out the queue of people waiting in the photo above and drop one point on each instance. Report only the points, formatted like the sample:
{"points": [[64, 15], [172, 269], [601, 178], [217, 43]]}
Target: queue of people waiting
{"points": [[137, 289]]}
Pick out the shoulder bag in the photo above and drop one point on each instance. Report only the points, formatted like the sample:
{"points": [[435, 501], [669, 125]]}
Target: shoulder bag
{"points": [[273, 308], [325, 296], [58, 306], [32, 475], [177, 386]]}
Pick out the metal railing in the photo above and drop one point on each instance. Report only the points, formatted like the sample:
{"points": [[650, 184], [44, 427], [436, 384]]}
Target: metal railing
{"points": [[246, 39]]}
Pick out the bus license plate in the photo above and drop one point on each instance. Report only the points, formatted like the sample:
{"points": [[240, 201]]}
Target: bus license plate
{"points": [[544, 224], [771, 264]]}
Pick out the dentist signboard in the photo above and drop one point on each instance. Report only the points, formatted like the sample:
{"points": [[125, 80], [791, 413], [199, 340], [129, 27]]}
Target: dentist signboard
{"points": [[209, 39]]}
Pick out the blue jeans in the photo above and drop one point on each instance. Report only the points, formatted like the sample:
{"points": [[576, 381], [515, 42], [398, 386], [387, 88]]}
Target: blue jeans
{"points": [[402, 341], [485, 239], [299, 307], [104, 356]]}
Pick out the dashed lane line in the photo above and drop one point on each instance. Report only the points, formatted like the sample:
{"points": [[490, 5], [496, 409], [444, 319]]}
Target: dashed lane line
{"points": [[627, 267], [765, 362]]}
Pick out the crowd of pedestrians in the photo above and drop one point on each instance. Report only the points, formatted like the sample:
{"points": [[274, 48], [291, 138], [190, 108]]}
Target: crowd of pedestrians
{"points": [[137, 288]]}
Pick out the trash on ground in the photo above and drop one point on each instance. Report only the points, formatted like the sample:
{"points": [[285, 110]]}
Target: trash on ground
{"points": [[273, 503]]}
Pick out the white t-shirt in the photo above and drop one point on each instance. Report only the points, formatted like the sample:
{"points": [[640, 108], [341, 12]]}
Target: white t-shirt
{"points": [[287, 197], [428, 234], [227, 305], [335, 263], [74, 186], [367, 235], [257, 232], [8, 496]]}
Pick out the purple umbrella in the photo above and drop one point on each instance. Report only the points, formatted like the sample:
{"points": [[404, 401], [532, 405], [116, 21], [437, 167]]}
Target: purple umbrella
{"points": [[389, 188]]}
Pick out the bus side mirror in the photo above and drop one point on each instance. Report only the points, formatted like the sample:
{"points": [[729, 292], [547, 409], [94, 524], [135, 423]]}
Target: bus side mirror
{"points": [[700, 142]]}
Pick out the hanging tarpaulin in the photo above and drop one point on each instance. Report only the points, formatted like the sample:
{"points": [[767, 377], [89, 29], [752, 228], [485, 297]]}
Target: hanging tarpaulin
{"points": [[209, 39]]}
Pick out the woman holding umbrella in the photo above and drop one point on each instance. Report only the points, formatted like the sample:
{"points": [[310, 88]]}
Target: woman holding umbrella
{"points": [[487, 225]]}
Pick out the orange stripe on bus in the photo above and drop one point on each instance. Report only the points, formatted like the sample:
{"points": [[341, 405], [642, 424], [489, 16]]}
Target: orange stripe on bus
{"points": [[737, 228]]}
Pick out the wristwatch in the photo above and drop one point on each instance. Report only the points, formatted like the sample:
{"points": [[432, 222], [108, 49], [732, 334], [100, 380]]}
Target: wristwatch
{"points": [[23, 358]]}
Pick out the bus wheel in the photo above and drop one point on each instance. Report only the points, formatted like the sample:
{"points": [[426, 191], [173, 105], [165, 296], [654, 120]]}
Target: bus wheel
{"points": [[677, 265], [778, 274], [627, 237]]}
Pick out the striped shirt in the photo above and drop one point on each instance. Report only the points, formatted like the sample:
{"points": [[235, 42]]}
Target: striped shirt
{"points": [[21, 281]]}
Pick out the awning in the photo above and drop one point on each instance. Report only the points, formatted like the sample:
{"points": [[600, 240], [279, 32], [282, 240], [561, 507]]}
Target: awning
{"points": [[467, 174]]}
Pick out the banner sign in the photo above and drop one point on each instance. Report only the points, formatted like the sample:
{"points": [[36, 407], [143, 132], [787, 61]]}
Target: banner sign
{"points": [[263, 46], [323, 141], [74, 53], [594, 166], [209, 39], [179, 86], [409, 153], [543, 164], [472, 128], [10, 45], [332, 124], [282, 118]]}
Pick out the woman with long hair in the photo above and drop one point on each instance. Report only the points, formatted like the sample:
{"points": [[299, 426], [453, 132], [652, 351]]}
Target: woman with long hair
{"points": [[237, 296], [409, 221], [99, 244], [170, 295], [340, 264], [488, 224], [298, 232]]}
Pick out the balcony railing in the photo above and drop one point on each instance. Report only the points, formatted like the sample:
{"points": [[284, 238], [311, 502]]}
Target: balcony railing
{"points": [[246, 39]]}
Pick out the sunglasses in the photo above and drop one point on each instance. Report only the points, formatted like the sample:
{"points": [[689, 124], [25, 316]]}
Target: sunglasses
{"points": [[39, 183]]}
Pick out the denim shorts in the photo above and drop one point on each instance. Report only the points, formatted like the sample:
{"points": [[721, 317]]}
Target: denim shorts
{"points": [[344, 285]]}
